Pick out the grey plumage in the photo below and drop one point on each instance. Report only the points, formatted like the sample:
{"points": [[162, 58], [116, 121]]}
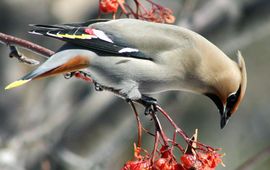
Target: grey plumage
{"points": [[139, 58]]}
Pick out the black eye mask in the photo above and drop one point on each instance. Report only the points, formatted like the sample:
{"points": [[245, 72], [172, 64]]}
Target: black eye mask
{"points": [[232, 99]]}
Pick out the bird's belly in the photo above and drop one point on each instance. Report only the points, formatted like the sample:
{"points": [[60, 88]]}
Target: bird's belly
{"points": [[155, 86], [145, 75]]}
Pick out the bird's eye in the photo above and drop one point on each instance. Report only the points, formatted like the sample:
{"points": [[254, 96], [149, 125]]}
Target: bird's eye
{"points": [[231, 98], [231, 101]]}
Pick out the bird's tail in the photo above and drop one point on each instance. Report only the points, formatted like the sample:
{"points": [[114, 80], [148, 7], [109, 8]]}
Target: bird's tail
{"points": [[51, 30], [60, 63]]}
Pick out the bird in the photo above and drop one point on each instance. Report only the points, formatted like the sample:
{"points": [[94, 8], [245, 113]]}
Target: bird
{"points": [[136, 58]]}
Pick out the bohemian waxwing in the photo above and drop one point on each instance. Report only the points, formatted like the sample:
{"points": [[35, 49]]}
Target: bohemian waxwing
{"points": [[136, 58]]}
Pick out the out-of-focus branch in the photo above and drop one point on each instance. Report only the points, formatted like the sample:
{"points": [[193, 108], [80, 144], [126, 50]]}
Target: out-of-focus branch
{"points": [[11, 40], [15, 53], [102, 153], [209, 14], [249, 164]]}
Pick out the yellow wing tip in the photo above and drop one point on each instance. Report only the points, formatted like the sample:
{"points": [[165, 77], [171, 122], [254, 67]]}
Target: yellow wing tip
{"points": [[16, 84]]}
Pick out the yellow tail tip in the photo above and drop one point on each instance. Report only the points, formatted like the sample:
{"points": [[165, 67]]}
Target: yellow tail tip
{"points": [[16, 84]]}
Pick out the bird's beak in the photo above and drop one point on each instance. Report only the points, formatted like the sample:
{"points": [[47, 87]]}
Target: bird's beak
{"points": [[51, 67], [225, 114], [224, 110]]}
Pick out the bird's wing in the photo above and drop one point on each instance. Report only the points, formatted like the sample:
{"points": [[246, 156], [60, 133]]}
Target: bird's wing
{"points": [[85, 35], [87, 23]]}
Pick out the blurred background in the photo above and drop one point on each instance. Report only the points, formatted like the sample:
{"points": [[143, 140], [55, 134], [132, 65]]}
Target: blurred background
{"points": [[65, 124]]}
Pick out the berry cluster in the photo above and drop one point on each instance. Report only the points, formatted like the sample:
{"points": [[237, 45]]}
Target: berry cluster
{"points": [[166, 160], [109, 6], [196, 156], [156, 13]]}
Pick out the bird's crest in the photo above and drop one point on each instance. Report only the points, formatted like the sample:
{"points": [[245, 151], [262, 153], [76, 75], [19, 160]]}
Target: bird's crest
{"points": [[243, 84]]}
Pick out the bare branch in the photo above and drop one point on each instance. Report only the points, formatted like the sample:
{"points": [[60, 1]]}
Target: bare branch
{"points": [[249, 163], [15, 53], [11, 40]]}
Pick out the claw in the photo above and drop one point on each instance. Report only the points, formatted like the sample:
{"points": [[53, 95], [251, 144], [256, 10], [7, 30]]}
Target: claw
{"points": [[69, 75], [149, 104], [98, 87], [150, 109]]}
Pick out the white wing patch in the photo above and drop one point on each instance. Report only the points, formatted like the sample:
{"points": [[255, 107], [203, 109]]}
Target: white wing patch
{"points": [[101, 35], [54, 35], [128, 50], [34, 32]]}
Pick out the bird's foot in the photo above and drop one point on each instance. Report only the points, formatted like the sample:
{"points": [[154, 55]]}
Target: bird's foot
{"points": [[79, 74], [150, 105], [69, 75], [150, 109], [98, 87]]}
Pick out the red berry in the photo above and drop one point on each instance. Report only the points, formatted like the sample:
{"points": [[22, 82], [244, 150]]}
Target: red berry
{"points": [[166, 164], [165, 152], [188, 161], [178, 167], [209, 160], [159, 164], [109, 6], [137, 165]]}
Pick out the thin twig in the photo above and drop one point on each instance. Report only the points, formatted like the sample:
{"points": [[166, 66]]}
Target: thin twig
{"points": [[177, 145], [131, 12], [155, 147], [159, 128], [123, 8], [148, 132], [182, 133], [14, 53], [139, 124], [178, 130], [155, 4], [137, 7], [141, 5]]}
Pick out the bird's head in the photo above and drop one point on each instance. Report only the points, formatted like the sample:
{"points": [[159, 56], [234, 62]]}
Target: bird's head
{"points": [[230, 92], [60, 63]]}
